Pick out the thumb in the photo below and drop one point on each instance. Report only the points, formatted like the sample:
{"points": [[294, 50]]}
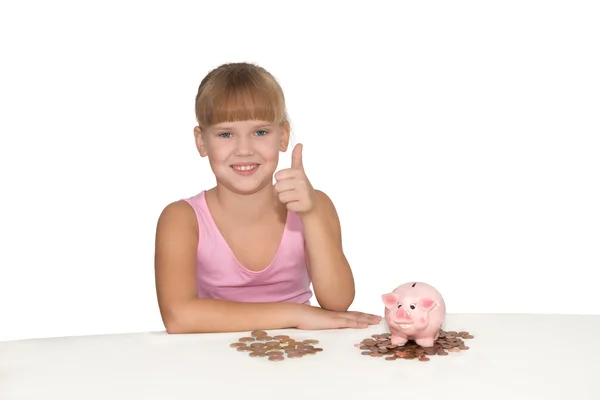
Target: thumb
{"points": [[297, 156]]}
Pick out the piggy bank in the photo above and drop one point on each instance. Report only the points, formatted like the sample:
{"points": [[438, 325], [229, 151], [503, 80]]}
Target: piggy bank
{"points": [[414, 311]]}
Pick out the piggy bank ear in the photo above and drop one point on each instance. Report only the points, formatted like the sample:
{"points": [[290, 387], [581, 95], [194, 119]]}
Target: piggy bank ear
{"points": [[390, 300], [427, 304]]}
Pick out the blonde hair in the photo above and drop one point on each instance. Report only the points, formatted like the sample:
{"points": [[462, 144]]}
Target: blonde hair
{"points": [[239, 91]]}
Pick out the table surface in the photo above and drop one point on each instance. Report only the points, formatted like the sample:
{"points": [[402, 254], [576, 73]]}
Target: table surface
{"points": [[510, 357]]}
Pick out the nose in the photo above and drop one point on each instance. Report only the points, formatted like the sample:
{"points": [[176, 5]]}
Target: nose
{"points": [[243, 146], [402, 313]]}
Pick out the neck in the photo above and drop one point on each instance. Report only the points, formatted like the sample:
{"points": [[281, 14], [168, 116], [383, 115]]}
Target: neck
{"points": [[248, 208]]}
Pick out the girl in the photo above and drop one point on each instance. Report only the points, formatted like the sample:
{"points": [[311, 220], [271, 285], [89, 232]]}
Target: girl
{"points": [[241, 256]]}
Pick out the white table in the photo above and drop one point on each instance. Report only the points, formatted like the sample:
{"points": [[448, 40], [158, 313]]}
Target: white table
{"points": [[512, 357]]}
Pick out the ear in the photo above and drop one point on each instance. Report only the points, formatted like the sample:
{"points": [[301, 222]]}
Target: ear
{"points": [[285, 136], [390, 300], [427, 304], [200, 142]]}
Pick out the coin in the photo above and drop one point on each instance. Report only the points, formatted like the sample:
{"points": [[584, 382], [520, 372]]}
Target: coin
{"points": [[260, 344], [379, 345]]}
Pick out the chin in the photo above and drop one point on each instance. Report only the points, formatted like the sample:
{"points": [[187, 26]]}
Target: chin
{"points": [[243, 189]]}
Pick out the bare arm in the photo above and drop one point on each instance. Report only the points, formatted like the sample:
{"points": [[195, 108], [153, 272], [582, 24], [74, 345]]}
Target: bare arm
{"points": [[175, 273], [328, 267]]}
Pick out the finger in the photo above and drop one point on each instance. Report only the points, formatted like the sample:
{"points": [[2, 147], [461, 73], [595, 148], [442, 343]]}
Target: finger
{"points": [[369, 318], [285, 185], [350, 323], [288, 196], [297, 157], [288, 173]]}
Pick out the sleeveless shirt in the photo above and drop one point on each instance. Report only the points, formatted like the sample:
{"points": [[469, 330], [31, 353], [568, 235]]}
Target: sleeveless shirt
{"points": [[219, 275]]}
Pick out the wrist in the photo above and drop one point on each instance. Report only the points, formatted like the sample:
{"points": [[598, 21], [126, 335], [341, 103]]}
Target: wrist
{"points": [[296, 312]]}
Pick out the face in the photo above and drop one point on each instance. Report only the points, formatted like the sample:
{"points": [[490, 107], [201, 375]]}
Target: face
{"points": [[243, 154]]}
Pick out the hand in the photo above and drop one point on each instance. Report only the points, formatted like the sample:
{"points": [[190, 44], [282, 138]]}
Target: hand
{"points": [[315, 318], [293, 187]]}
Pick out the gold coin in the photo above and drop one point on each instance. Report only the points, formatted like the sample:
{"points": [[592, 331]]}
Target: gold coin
{"points": [[247, 339], [276, 358], [258, 333], [238, 344]]}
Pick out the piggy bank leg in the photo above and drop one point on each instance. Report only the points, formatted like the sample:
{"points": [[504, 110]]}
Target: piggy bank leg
{"points": [[425, 341], [398, 340]]}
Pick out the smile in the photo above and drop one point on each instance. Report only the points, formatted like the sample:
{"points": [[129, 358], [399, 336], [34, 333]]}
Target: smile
{"points": [[244, 167]]}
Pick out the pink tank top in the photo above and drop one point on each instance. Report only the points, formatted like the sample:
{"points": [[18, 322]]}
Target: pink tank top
{"points": [[221, 276]]}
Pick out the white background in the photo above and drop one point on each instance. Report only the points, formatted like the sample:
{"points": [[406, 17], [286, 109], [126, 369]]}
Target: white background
{"points": [[459, 141]]}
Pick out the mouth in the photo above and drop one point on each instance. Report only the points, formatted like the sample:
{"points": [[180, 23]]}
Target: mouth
{"points": [[245, 169], [405, 325]]}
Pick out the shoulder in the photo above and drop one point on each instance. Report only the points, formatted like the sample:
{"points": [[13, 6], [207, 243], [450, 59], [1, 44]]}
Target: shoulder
{"points": [[325, 201], [326, 207], [176, 215]]}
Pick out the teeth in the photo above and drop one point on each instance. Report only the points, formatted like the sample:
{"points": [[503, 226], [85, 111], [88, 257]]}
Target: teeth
{"points": [[244, 167], [405, 326]]}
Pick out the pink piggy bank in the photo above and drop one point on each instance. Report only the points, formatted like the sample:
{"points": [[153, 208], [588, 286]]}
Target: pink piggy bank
{"points": [[414, 311]]}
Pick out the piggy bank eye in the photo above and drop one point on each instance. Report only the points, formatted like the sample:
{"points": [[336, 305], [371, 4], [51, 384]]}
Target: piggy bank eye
{"points": [[399, 305], [412, 306]]}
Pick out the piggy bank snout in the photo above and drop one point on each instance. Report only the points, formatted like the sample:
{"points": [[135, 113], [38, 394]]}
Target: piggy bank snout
{"points": [[402, 313]]}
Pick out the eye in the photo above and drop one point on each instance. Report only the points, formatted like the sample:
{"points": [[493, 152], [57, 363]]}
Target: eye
{"points": [[263, 133], [412, 306], [224, 134], [399, 305]]}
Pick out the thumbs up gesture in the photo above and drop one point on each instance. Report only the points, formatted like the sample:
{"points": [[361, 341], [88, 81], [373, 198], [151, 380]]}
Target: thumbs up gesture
{"points": [[293, 187]]}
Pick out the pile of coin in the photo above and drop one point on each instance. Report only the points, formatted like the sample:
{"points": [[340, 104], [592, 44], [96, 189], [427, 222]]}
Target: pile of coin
{"points": [[379, 345], [275, 348]]}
